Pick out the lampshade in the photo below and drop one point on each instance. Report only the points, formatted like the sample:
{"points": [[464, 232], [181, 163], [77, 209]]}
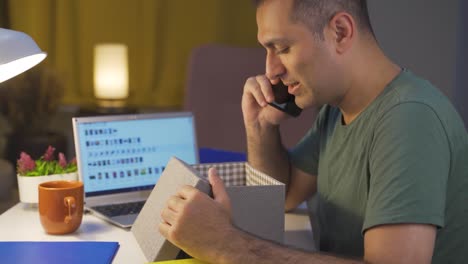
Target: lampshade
{"points": [[18, 53], [110, 71]]}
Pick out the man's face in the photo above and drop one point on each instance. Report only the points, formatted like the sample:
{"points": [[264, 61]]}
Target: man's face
{"points": [[294, 55]]}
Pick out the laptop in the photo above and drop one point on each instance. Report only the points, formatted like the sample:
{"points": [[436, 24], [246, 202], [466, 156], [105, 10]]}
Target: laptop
{"points": [[121, 157]]}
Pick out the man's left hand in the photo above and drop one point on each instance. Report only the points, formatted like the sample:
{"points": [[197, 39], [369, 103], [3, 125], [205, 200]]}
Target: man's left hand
{"points": [[197, 223]]}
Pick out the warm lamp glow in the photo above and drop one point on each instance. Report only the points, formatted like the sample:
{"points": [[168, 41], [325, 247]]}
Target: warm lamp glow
{"points": [[110, 71]]}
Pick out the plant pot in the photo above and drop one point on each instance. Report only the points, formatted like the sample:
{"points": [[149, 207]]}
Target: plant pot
{"points": [[28, 185]]}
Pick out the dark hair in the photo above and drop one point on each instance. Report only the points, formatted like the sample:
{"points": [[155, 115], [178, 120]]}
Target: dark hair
{"points": [[317, 13]]}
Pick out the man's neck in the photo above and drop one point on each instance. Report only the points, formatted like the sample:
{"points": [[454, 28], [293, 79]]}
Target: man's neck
{"points": [[370, 75]]}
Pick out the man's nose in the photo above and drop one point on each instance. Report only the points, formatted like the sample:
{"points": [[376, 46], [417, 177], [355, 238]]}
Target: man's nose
{"points": [[274, 67]]}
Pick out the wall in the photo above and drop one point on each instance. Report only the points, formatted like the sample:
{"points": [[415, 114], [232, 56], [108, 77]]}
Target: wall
{"points": [[420, 35], [159, 34], [461, 84], [429, 37]]}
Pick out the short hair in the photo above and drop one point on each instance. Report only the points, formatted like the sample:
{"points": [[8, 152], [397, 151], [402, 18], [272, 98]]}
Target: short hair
{"points": [[316, 14]]}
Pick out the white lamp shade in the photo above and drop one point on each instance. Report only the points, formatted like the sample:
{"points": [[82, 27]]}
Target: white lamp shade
{"points": [[110, 71], [18, 53]]}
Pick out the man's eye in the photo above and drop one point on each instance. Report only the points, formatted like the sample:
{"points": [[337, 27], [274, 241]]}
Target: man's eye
{"points": [[282, 50]]}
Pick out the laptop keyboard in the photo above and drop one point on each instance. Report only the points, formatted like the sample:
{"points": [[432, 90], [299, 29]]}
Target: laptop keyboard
{"points": [[112, 210]]}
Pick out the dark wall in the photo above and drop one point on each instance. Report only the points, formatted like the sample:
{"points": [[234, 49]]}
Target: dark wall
{"points": [[420, 35], [461, 83], [429, 37], [4, 17]]}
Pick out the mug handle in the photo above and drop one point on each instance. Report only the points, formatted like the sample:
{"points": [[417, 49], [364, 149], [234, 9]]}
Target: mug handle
{"points": [[70, 203]]}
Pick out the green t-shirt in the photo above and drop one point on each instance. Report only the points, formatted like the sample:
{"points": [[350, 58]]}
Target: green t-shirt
{"points": [[404, 159]]}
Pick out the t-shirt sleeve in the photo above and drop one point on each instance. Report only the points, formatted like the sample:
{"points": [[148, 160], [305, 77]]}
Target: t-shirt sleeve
{"points": [[305, 155], [409, 166]]}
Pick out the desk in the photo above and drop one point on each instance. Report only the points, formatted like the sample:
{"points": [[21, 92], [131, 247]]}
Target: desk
{"points": [[21, 223]]}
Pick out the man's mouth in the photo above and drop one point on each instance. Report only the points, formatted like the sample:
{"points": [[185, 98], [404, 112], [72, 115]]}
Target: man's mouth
{"points": [[292, 87]]}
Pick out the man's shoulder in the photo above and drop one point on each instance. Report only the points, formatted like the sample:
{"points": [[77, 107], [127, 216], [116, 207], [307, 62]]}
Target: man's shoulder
{"points": [[409, 88], [411, 91]]}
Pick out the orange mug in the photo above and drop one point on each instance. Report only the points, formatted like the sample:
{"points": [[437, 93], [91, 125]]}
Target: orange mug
{"points": [[61, 206]]}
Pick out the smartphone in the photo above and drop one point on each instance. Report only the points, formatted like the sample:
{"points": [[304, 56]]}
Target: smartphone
{"points": [[284, 101]]}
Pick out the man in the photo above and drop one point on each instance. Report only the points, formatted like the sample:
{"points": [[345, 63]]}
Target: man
{"points": [[387, 156]]}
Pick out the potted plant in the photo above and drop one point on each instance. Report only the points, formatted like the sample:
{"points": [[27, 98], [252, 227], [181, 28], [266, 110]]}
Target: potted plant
{"points": [[31, 173]]}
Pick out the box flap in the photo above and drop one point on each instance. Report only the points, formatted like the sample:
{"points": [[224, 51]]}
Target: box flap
{"points": [[145, 229]]}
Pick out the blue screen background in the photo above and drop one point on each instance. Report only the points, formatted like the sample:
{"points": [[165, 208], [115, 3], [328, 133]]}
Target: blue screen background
{"points": [[132, 153]]}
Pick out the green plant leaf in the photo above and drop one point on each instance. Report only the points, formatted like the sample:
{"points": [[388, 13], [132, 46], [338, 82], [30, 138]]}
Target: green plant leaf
{"points": [[50, 167]]}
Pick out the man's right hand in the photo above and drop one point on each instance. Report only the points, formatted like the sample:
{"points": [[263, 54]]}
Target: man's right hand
{"points": [[256, 96]]}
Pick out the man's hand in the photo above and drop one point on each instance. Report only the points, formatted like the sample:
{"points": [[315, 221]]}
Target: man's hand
{"points": [[257, 94], [265, 151], [196, 223]]}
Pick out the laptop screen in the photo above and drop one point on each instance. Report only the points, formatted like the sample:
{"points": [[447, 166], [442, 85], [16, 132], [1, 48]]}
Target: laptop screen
{"points": [[128, 152]]}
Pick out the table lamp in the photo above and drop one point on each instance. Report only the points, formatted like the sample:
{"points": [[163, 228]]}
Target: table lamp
{"points": [[18, 53], [110, 74]]}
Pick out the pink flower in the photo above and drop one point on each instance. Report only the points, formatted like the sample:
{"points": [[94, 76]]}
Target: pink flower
{"points": [[49, 154], [25, 163], [45, 165], [62, 161]]}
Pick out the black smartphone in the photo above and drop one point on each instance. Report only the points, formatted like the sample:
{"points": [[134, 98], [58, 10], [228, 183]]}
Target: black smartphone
{"points": [[284, 101]]}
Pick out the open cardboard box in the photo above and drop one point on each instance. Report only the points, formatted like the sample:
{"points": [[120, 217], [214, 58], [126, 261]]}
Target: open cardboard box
{"points": [[257, 203]]}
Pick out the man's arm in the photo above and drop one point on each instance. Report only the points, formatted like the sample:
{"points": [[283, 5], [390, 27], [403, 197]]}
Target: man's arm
{"points": [[404, 243], [267, 154], [201, 226], [265, 151], [264, 147]]}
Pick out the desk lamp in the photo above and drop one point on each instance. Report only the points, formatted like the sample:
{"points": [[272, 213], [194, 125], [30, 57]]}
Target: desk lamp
{"points": [[18, 53]]}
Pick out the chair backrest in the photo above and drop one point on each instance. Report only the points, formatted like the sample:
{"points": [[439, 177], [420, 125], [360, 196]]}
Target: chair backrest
{"points": [[216, 77]]}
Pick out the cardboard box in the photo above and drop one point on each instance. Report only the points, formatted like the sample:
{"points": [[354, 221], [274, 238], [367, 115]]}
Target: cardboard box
{"points": [[257, 203]]}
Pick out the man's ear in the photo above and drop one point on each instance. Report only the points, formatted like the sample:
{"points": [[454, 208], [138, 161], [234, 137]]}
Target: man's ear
{"points": [[342, 28]]}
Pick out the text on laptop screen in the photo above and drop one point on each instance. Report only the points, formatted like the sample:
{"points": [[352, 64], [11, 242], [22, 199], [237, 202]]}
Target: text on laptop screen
{"points": [[128, 154]]}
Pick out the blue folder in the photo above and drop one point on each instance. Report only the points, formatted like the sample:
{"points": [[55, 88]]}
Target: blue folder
{"points": [[209, 155], [57, 252]]}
